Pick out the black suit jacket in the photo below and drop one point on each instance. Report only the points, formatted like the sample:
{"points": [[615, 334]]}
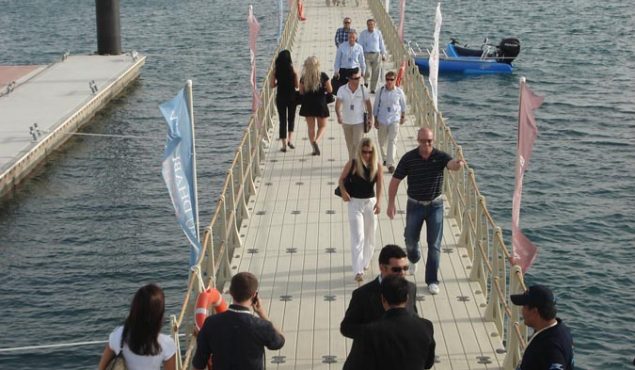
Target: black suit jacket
{"points": [[399, 340], [365, 307]]}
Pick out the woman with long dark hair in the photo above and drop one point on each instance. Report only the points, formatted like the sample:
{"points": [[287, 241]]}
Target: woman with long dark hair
{"points": [[140, 338], [361, 186], [285, 78]]}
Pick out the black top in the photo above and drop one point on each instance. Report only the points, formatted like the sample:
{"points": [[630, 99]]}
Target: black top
{"points": [[425, 176], [314, 102], [359, 187], [236, 340], [286, 84], [365, 307], [550, 349], [399, 340]]}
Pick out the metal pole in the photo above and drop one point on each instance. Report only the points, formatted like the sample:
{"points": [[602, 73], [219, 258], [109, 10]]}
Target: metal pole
{"points": [[108, 27]]}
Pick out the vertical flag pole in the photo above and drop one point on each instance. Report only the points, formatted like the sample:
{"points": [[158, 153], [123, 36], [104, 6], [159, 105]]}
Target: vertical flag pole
{"points": [[190, 107]]}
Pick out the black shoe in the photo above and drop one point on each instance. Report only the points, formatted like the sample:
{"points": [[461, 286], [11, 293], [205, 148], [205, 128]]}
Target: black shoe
{"points": [[291, 146], [316, 148], [366, 85], [384, 163], [284, 150], [372, 91]]}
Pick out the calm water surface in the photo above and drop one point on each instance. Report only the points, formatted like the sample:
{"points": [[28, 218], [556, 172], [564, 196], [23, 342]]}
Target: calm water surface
{"points": [[95, 222]]}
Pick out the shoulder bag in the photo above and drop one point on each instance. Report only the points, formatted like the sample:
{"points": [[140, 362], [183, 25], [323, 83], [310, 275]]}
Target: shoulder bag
{"points": [[118, 362], [347, 181], [366, 118]]}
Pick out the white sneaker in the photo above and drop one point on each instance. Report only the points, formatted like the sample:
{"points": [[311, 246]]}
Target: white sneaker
{"points": [[412, 268], [433, 289]]}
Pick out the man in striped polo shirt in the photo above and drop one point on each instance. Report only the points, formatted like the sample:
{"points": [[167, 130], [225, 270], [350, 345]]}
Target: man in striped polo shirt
{"points": [[424, 167]]}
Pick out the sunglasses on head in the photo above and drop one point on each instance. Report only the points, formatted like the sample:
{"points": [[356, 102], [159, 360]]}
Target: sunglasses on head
{"points": [[397, 269]]}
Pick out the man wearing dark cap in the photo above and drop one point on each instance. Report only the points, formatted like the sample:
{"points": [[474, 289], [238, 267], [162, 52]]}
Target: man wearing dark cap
{"points": [[551, 346]]}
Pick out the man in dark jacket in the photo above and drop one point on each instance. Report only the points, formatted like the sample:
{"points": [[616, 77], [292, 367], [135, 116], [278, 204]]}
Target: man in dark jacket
{"points": [[365, 305], [399, 340], [236, 339]]}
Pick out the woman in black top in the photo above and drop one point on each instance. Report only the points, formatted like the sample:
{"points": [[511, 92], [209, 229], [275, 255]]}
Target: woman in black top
{"points": [[313, 87], [358, 178], [285, 78]]}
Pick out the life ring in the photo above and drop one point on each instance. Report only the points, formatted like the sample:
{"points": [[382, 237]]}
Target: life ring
{"points": [[207, 298], [400, 74]]}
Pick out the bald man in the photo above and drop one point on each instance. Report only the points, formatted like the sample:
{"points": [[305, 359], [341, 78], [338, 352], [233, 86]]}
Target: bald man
{"points": [[424, 166]]}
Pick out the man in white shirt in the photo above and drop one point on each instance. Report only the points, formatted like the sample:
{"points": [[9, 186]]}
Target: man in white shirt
{"points": [[390, 112], [352, 101], [349, 57], [372, 41]]}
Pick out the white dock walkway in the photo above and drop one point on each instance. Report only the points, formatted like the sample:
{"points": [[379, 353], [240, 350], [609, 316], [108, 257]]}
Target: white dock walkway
{"points": [[58, 99], [297, 240]]}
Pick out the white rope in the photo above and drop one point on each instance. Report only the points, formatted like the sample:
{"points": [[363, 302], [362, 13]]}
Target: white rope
{"points": [[57, 345]]}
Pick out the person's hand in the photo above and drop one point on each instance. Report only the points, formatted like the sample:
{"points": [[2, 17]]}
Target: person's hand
{"points": [[377, 209], [346, 196], [391, 211], [402, 120], [336, 76], [383, 58], [339, 120], [258, 308]]}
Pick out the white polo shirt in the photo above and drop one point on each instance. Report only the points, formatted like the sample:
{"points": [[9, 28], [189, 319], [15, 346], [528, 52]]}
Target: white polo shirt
{"points": [[352, 104]]}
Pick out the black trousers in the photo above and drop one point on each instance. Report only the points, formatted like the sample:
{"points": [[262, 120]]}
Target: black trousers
{"points": [[286, 115]]}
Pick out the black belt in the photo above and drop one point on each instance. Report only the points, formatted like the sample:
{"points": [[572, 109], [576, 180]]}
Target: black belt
{"points": [[423, 202]]}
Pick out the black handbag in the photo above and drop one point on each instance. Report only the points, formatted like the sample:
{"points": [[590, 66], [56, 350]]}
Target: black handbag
{"points": [[347, 181], [366, 118], [330, 98]]}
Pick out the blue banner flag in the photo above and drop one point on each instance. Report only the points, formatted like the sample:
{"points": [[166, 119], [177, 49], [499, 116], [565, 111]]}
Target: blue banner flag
{"points": [[179, 169]]}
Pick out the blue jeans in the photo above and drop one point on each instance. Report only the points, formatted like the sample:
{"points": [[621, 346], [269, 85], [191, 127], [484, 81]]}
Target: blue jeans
{"points": [[432, 214]]}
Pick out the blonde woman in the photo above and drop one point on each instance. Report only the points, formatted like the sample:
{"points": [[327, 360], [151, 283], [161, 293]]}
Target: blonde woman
{"points": [[313, 86], [359, 176]]}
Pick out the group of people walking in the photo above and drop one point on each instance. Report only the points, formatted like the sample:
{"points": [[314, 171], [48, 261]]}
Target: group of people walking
{"points": [[382, 316]]}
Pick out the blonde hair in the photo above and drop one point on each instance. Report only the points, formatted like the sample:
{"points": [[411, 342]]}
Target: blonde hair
{"points": [[359, 159], [311, 74]]}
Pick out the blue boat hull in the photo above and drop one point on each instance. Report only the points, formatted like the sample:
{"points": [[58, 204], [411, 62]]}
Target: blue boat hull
{"points": [[469, 65], [465, 65]]}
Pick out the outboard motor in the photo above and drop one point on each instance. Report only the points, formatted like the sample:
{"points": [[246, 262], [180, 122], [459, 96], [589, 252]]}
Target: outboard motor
{"points": [[507, 50]]}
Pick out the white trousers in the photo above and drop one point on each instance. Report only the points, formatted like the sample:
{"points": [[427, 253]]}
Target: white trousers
{"points": [[388, 133], [363, 223]]}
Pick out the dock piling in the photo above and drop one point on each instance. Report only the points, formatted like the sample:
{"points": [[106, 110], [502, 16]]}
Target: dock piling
{"points": [[108, 27]]}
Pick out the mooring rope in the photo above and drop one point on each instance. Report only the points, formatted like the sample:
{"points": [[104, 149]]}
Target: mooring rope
{"points": [[57, 345]]}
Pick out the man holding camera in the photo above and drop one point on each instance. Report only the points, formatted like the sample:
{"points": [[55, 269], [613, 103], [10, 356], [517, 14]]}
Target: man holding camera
{"points": [[243, 348]]}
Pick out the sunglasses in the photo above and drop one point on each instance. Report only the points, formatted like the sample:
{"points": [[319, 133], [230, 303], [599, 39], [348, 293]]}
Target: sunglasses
{"points": [[398, 269], [347, 22], [367, 152], [355, 78], [390, 79]]}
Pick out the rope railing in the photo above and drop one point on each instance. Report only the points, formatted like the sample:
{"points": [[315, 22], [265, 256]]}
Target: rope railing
{"points": [[480, 235], [222, 236]]}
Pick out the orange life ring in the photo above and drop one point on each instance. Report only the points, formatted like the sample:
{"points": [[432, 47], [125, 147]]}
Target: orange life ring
{"points": [[209, 297], [400, 74]]}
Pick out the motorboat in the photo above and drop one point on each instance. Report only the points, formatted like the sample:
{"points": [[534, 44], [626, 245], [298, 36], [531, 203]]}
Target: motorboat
{"points": [[488, 59]]}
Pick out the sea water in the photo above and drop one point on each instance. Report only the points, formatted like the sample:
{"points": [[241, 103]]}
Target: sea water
{"points": [[94, 223]]}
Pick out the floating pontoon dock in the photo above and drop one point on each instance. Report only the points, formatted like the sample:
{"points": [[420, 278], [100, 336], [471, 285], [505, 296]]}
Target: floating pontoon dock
{"points": [[42, 106]]}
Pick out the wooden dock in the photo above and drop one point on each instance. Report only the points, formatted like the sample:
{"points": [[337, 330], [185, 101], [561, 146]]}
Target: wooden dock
{"points": [[42, 106], [297, 240]]}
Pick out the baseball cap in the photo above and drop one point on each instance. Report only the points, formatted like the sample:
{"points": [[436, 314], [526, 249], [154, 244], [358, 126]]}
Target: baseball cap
{"points": [[535, 296]]}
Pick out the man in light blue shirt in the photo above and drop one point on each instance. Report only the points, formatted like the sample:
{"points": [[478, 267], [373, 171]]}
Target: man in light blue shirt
{"points": [[349, 58], [390, 112], [372, 41]]}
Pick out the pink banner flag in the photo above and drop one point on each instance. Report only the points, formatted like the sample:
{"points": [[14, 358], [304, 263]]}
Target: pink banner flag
{"points": [[402, 15], [523, 250], [254, 28]]}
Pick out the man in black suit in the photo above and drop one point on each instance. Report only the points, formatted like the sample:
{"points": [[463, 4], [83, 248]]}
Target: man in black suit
{"points": [[399, 340], [365, 305]]}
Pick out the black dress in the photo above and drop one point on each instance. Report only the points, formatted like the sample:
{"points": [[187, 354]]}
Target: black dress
{"points": [[314, 102]]}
